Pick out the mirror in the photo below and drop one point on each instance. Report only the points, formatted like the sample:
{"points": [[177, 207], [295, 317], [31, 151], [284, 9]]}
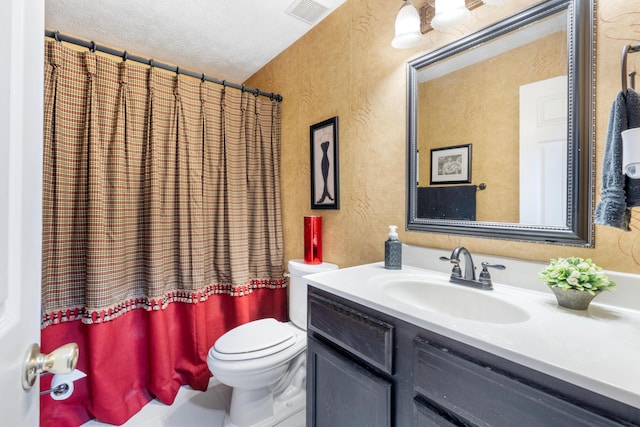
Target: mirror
{"points": [[500, 129]]}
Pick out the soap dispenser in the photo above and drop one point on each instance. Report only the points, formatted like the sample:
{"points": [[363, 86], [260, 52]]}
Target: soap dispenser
{"points": [[393, 250]]}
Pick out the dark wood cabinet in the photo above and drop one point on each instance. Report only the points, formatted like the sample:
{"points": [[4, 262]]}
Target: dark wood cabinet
{"points": [[366, 368], [345, 393], [367, 337], [473, 393]]}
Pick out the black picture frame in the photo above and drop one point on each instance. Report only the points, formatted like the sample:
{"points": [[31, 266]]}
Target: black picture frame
{"points": [[451, 165], [325, 188]]}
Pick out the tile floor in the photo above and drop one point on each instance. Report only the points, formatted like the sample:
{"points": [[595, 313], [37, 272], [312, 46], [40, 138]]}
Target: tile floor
{"points": [[191, 408]]}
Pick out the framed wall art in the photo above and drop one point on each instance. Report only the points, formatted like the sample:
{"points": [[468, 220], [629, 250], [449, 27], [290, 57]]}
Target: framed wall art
{"points": [[325, 189], [451, 165]]}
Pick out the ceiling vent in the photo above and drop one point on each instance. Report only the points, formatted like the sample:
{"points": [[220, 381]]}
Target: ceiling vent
{"points": [[308, 11]]}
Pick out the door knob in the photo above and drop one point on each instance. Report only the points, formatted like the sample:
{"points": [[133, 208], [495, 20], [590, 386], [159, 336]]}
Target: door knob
{"points": [[60, 361]]}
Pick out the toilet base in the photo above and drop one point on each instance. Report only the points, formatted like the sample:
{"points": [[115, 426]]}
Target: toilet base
{"points": [[282, 409]]}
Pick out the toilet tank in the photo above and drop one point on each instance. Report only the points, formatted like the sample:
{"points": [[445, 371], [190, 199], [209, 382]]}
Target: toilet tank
{"points": [[298, 289]]}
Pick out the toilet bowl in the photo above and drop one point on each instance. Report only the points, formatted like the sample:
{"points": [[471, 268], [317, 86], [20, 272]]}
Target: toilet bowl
{"points": [[264, 361]]}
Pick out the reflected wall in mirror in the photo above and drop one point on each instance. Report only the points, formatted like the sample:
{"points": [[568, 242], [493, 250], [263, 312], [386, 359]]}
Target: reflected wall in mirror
{"points": [[520, 92]]}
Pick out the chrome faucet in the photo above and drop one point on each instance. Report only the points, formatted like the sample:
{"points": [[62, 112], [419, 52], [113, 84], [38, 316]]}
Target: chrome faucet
{"points": [[469, 268], [469, 277]]}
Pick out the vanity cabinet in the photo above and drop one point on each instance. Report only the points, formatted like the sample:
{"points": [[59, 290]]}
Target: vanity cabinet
{"points": [[366, 368], [346, 393], [349, 391]]}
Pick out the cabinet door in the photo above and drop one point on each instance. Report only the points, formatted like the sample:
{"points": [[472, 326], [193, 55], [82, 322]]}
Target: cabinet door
{"points": [[341, 393]]}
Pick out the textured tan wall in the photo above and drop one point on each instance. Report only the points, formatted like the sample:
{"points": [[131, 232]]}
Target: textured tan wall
{"points": [[485, 98], [346, 67]]}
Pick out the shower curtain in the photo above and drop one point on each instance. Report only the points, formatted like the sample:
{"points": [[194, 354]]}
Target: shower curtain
{"points": [[161, 227]]}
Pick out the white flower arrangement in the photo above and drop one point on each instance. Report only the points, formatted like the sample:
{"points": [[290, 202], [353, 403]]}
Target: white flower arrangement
{"points": [[575, 273]]}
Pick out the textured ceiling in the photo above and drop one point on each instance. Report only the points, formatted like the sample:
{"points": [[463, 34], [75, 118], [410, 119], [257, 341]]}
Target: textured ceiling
{"points": [[225, 39]]}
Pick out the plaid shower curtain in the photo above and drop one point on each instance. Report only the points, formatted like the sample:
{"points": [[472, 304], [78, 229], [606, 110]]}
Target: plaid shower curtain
{"points": [[161, 206]]}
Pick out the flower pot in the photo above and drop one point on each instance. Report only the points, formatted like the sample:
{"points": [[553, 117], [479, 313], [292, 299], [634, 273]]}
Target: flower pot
{"points": [[573, 299]]}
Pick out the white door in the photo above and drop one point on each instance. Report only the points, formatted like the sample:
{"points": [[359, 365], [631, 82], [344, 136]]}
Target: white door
{"points": [[21, 99], [543, 152]]}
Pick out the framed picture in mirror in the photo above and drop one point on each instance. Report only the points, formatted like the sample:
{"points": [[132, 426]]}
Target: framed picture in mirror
{"points": [[451, 165], [325, 188]]}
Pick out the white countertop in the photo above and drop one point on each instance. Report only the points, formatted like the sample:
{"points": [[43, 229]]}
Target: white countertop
{"points": [[598, 349]]}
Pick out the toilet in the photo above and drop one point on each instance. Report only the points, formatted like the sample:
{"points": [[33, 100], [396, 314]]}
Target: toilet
{"points": [[264, 361]]}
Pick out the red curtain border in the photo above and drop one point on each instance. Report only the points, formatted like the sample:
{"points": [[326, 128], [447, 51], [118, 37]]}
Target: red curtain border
{"points": [[88, 316], [106, 393]]}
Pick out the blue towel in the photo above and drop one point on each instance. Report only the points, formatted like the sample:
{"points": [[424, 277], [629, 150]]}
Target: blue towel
{"points": [[453, 202], [619, 192]]}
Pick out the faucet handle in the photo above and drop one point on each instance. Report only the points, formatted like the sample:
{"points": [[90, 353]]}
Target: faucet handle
{"points": [[456, 272], [485, 277], [486, 265]]}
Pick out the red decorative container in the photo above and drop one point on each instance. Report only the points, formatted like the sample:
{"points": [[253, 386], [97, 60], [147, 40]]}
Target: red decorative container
{"points": [[313, 239]]}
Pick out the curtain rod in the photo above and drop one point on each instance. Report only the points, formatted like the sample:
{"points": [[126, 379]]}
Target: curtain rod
{"points": [[153, 63]]}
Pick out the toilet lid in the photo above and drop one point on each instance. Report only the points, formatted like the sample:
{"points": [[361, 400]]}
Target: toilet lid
{"points": [[259, 338]]}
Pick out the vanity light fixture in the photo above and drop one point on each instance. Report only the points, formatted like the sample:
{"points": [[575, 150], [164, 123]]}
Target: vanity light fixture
{"points": [[407, 27], [433, 14], [428, 10], [449, 13]]}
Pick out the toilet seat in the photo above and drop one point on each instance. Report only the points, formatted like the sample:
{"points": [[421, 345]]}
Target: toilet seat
{"points": [[257, 339]]}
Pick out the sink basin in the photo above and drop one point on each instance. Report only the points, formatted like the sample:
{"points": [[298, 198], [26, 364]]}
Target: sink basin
{"points": [[453, 300]]}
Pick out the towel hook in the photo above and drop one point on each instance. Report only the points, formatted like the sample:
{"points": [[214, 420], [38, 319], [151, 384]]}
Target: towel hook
{"points": [[623, 68]]}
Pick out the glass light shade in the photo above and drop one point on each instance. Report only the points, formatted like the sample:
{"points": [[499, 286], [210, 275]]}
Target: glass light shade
{"points": [[407, 27], [631, 153], [632, 170], [449, 13]]}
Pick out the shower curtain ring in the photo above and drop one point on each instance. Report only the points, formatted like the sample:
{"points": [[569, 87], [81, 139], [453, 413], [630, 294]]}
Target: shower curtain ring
{"points": [[125, 55], [93, 46], [203, 79], [56, 36]]}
